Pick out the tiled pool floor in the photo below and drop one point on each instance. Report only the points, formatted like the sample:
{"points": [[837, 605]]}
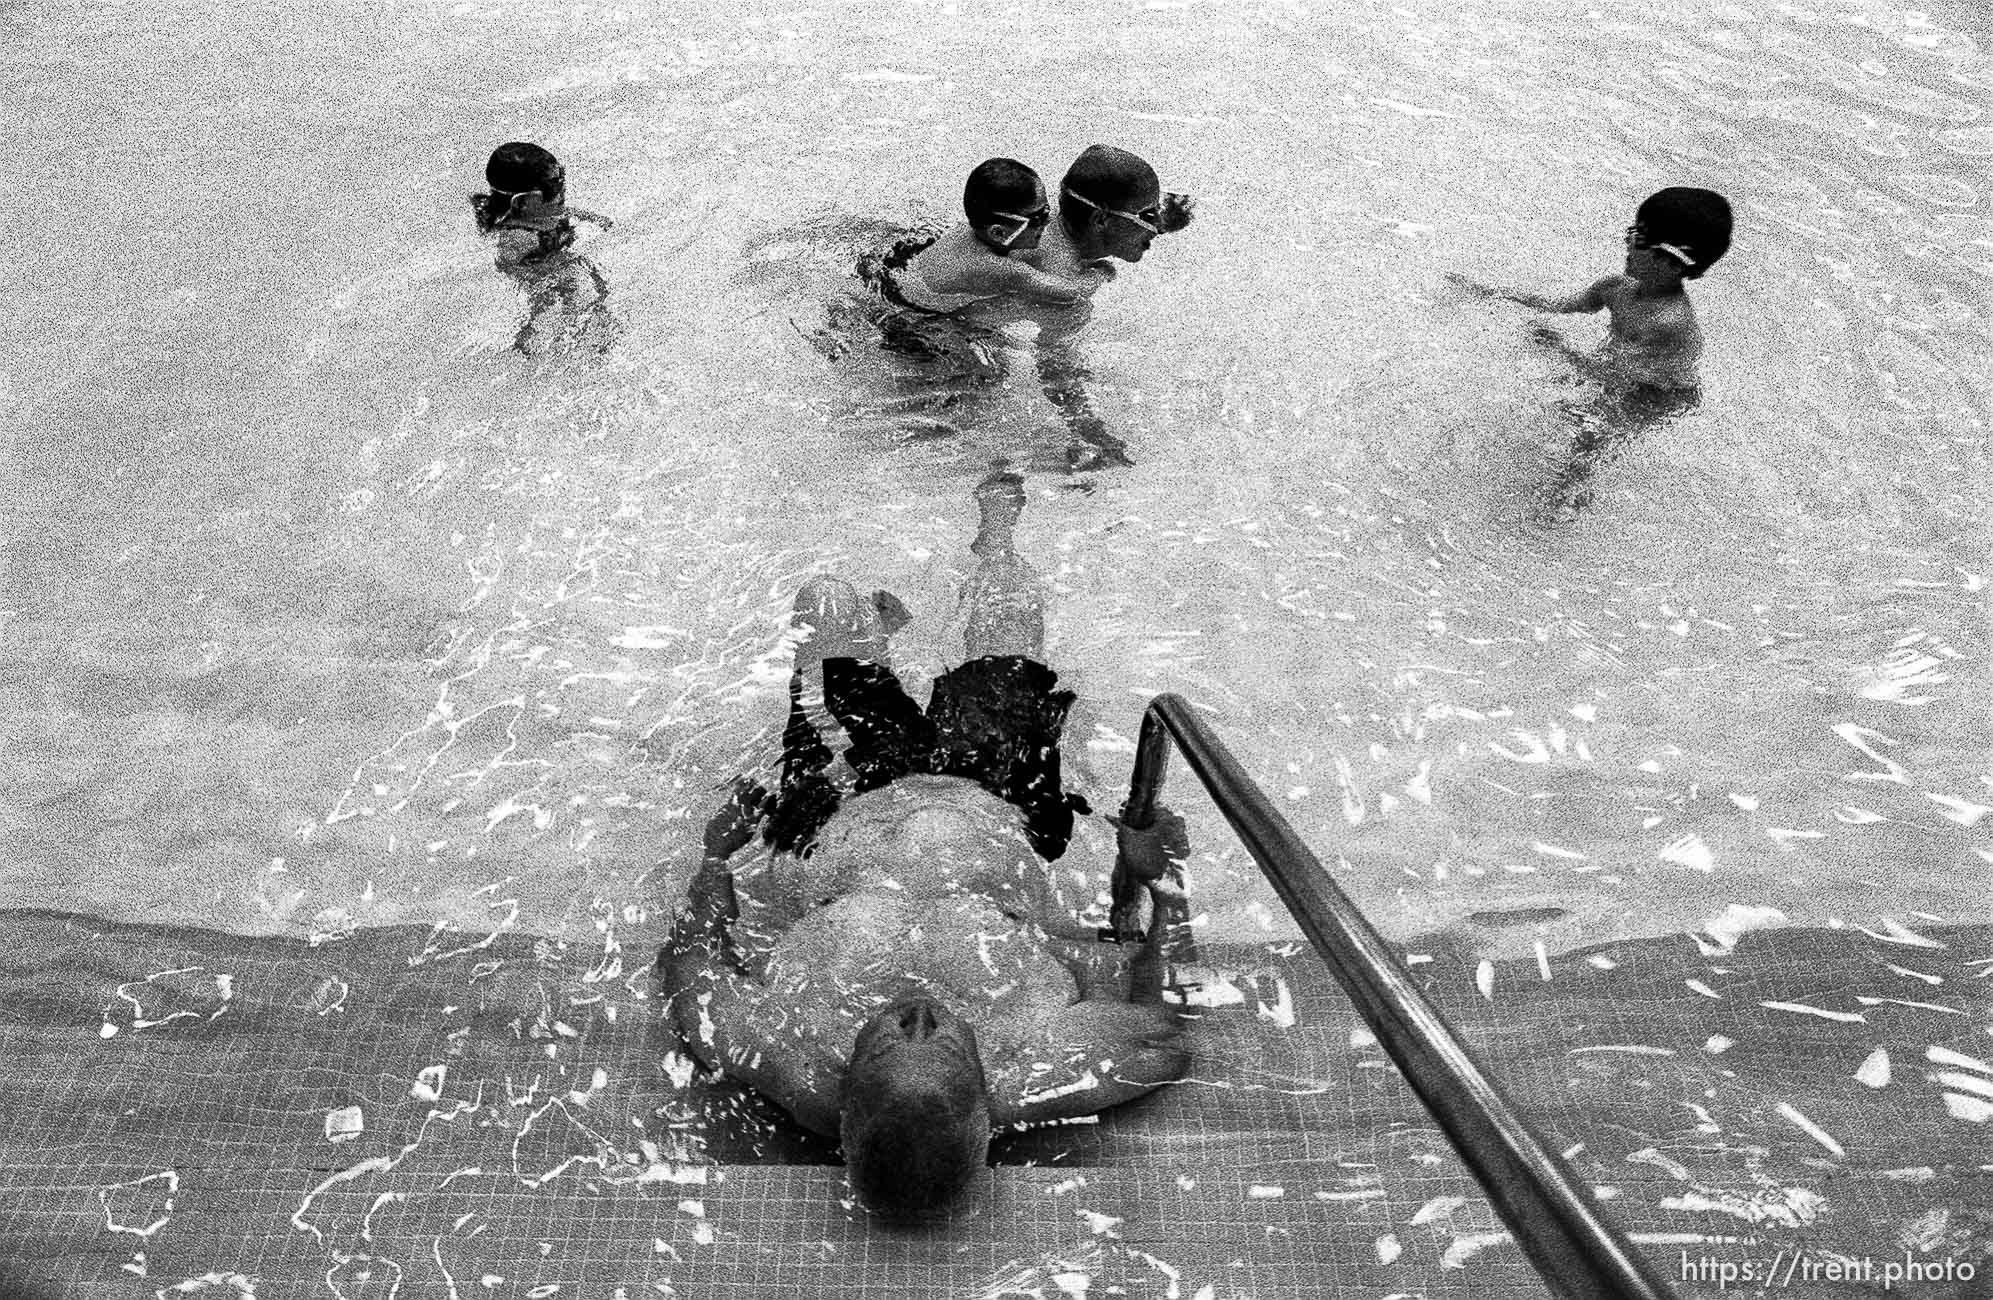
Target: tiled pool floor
{"points": [[178, 1105]]}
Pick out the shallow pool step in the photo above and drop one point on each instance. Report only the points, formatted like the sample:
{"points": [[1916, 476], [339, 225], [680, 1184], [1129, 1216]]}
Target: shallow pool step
{"points": [[778, 1230], [760, 1232], [178, 1110]]}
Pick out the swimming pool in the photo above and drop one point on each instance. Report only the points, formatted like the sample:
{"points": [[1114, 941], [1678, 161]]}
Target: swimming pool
{"points": [[327, 612]]}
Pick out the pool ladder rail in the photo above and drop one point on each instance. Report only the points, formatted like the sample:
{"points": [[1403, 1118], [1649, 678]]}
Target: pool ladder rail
{"points": [[1579, 1252]]}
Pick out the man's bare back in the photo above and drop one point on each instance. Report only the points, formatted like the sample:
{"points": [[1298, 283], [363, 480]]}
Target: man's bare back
{"points": [[846, 962]]}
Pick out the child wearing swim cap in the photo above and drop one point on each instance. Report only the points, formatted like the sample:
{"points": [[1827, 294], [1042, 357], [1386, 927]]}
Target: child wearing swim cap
{"points": [[1677, 234], [527, 210], [529, 193], [1005, 212], [1647, 369]]}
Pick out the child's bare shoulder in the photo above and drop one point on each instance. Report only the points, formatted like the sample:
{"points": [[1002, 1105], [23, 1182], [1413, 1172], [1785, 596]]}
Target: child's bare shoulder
{"points": [[1612, 286], [956, 263], [1014, 272], [995, 272]]}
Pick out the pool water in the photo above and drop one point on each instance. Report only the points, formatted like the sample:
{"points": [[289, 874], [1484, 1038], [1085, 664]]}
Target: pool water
{"points": [[325, 608]]}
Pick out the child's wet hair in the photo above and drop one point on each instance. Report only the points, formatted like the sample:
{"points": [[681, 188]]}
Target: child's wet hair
{"points": [[1697, 221], [999, 185]]}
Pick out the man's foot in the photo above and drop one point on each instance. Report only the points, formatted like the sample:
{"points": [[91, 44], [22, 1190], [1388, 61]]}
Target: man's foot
{"points": [[838, 623], [1000, 497], [925, 428], [1084, 454]]}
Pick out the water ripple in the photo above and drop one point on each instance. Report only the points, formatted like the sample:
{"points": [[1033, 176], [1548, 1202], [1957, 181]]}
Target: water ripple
{"points": [[1947, 190]]}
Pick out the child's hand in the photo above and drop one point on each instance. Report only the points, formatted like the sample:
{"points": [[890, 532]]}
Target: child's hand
{"points": [[734, 824], [1175, 212], [1467, 286]]}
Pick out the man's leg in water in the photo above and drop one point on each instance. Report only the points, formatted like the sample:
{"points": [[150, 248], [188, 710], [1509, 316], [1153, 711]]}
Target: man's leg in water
{"points": [[997, 717], [843, 673], [837, 623], [1004, 597]]}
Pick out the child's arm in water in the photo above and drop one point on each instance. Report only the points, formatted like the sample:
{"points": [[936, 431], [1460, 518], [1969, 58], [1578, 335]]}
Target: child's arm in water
{"points": [[1022, 280], [1063, 376], [1590, 298]]}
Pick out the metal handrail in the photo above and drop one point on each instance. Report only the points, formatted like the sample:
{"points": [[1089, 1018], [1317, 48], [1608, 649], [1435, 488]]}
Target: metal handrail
{"points": [[1578, 1251]]}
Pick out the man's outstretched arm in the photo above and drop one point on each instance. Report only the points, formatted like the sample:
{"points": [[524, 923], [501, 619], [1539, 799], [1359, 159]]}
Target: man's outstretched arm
{"points": [[723, 1014], [1121, 1040], [1170, 942], [1101, 1052], [699, 954]]}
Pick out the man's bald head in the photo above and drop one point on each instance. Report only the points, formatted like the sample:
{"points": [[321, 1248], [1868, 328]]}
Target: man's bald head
{"points": [[915, 1110]]}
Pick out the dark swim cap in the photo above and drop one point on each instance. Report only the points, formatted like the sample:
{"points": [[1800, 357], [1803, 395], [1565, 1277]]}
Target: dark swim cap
{"points": [[1696, 221], [998, 185], [517, 167], [1110, 177]]}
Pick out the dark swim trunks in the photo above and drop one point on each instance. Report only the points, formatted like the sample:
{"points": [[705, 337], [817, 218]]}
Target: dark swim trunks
{"points": [[880, 269], [962, 349], [994, 720]]}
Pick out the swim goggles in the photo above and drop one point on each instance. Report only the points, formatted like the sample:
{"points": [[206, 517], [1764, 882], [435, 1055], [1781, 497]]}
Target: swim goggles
{"points": [[1149, 218], [514, 215], [1636, 239], [1025, 221], [552, 197]]}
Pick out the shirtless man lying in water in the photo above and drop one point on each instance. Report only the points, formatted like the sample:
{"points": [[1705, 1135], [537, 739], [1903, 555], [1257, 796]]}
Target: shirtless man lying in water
{"points": [[902, 973]]}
